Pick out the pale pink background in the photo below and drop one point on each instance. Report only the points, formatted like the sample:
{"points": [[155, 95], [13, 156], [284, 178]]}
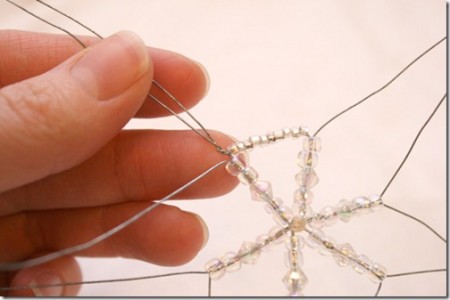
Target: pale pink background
{"points": [[285, 63]]}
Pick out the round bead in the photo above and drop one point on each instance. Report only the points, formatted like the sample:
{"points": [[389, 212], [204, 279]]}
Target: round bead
{"points": [[307, 159], [302, 210], [376, 203], [255, 140], [215, 268], [329, 214], [283, 215], [377, 273], [312, 144], [248, 176], [314, 239], [287, 132], [361, 205], [317, 221], [307, 178], [344, 255], [327, 246], [303, 195], [297, 224], [295, 242], [231, 262], [264, 241], [362, 264], [249, 252], [295, 280], [236, 165], [345, 210]]}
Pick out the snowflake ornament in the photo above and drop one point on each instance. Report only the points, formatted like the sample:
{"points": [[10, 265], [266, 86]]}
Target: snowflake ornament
{"points": [[298, 225]]}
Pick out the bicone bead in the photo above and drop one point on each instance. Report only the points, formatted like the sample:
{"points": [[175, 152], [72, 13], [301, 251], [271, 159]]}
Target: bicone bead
{"points": [[277, 234], [215, 268], [327, 246], [362, 264], [377, 273], [295, 280], [293, 259], [344, 255], [265, 242], [261, 191], [345, 210], [361, 205], [249, 252], [307, 159], [307, 178], [236, 165], [273, 205], [248, 176], [329, 215], [312, 144], [314, 239], [231, 262], [376, 203], [283, 215], [303, 195]]}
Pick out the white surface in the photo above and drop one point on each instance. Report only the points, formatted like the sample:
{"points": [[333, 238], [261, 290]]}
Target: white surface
{"points": [[285, 63]]}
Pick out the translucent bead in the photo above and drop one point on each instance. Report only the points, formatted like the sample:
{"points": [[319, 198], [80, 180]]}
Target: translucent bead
{"points": [[314, 239], [287, 132], [295, 280], [293, 259], [261, 191], [377, 273], [345, 210], [279, 134], [277, 235], [296, 132], [362, 264], [362, 205], [215, 268], [307, 178], [283, 215], [231, 262], [249, 252], [344, 255], [295, 242], [264, 241], [236, 165], [312, 144], [297, 224], [303, 195], [255, 140], [304, 130], [329, 214], [376, 203], [307, 159], [302, 210], [317, 221], [327, 246], [273, 205], [248, 176]]}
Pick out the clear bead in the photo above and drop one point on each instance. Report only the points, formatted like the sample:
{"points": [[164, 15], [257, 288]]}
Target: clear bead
{"points": [[302, 211], [327, 246], [307, 159], [344, 255], [307, 178], [287, 132], [275, 234], [312, 144], [314, 239], [295, 242], [295, 280], [236, 165], [231, 262], [293, 259], [329, 214], [377, 273], [283, 215], [297, 224], [296, 132], [265, 242], [215, 268], [249, 252], [303, 195], [317, 221], [273, 205], [261, 191], [345, 210], [248, 176], [376, 203], [362, 205], [362, 265]]}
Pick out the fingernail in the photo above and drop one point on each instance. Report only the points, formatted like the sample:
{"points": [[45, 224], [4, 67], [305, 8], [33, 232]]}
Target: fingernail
{"points": [[205, 230], [46, 284], [112, 65], [205, 73]]}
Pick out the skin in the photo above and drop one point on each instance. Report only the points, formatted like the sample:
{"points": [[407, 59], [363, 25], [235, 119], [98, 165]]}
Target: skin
{"points": [[68, 170]]}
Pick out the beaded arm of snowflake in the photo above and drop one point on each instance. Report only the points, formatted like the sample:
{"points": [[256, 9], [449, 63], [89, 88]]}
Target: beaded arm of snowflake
{"points": [[297, 221]]}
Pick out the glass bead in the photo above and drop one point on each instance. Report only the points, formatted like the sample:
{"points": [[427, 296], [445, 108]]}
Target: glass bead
{"points": [[327, 246], [314, 239], [344, 255], [362, 264], [273, 205], [249, 252], [277, 235], [283, 215], [295, 280], [302, 210], [231, 262], [297, 224], [377, 273], [265, 242], [345, 210], [261, 191], [296, 132], [215, 268], [236, 165], [307, 159], [312, 144], [287, 132], [329, 214], [295, 242], [293, 259], [376, 203], [255, 140], [303, 195], [304, 130], [362, 205], [248, 176], [317, 221], [279, 134], [307, 178]]}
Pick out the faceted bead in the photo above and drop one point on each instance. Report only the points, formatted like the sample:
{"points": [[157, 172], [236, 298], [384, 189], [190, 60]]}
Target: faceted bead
{"points": [[315, 238], [265, 242], [302, 210], [283, 215], [293, 259], [295, 280], [248, 176], [377, 273], [345, 210], [236, 165], [344, 255], [307, 159], [307, 178], [276, 234], [273, 205], [231, 262], [317, 221], [329, 215], [362, 265], [303, 195], [304, 130], [312, 144], [297, 224], [249, 252], [362, 205], [376, 203], [261, 191], [215, 268]]}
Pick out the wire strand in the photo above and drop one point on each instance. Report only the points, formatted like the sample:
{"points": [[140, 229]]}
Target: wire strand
{"points": [[416, 273]]}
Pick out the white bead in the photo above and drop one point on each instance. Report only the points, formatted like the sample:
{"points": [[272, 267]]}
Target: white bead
{"points": [[296, 132], [312, 144], [248, 176], [279, 134], [261, 191], [231, 262], [307, 178], [255, 140], [287, 132], [249, 252], [264, 140], [295, 280], [307, 159], [215, 268]]}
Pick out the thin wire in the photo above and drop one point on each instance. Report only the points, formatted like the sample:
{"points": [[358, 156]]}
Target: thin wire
{"points": [[43, 259], [382, 88], [41, 286], [209, 286], [379, 288], [416, 273]]}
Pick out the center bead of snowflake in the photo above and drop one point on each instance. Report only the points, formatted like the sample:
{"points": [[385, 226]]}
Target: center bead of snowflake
{"points": [[297, 224]]}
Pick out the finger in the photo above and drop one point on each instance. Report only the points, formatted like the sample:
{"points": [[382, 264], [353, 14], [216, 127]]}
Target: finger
{"points": [[136, 165], [165, 236], [56, 120], [27, 54], [51, 274]]}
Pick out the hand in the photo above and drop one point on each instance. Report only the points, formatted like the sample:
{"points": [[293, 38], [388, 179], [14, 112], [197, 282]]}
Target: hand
{"points": [[68, 172]]}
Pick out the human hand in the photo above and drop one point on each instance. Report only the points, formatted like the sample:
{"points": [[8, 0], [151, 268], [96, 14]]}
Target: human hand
{"points": [[68, 172]]}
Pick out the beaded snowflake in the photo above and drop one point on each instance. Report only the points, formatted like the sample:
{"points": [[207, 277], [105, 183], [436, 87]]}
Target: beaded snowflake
{"points": [[297, 220]]}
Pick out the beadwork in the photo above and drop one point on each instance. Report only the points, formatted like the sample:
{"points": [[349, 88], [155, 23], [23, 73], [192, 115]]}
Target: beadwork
{"points": [[293, 221]]}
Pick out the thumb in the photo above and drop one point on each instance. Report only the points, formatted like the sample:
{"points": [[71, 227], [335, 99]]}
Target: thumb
{"points": [[54, 121]]}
